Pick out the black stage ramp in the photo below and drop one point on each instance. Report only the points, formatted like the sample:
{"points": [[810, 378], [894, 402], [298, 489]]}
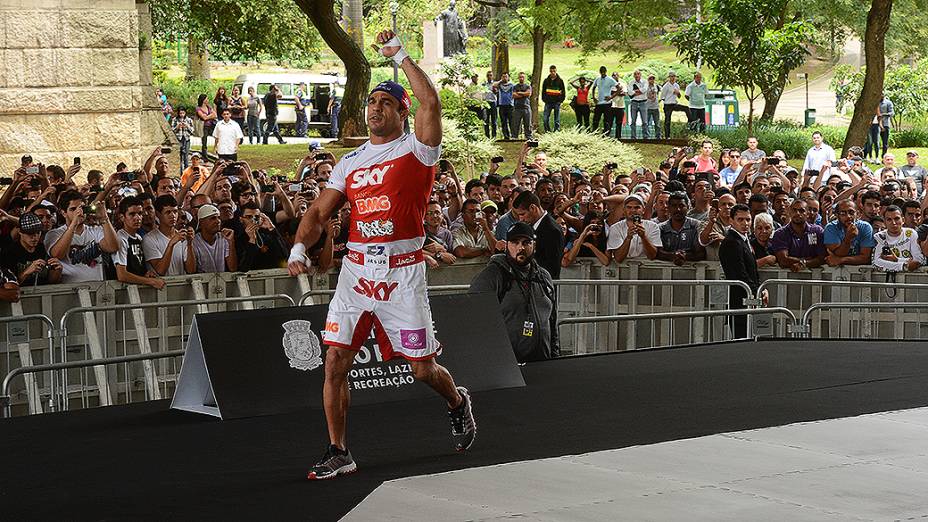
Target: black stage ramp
{"points": [[145, 462]]}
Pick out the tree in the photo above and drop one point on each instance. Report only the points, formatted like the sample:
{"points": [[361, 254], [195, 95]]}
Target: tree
{"points": [[232, 30], [869, 99], [747, 45], [322, 15]]}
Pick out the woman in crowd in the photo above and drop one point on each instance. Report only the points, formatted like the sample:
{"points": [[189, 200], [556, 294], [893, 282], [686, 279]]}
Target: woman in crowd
{"points": [[254, 116], [582, 102], [237, 107], [590, 243], [760, 240], [206, 120], [221, 100]]}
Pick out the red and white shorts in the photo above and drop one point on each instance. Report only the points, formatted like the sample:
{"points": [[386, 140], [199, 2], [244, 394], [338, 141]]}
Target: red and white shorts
{"points": [[388, 294]]}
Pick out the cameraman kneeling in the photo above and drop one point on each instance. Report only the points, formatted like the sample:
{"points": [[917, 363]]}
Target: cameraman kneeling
{"points": [[526, 295]]}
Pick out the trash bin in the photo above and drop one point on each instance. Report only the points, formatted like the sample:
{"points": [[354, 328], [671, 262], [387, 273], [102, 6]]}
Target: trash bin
{"points": [[810, 117], [721, 109]]}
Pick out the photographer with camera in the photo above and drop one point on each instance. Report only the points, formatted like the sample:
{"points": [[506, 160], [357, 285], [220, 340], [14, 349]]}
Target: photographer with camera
{"points": [[634, 237], [259, 245], [80, 243], [680, 234], [214, 246], [168, 249], [474, 238], [27, 258]]}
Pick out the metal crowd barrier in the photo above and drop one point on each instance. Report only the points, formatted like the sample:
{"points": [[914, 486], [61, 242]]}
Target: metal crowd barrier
{"points": [[307, 298], [101, 332], [805, 327], [20, 335], [670, 316]]}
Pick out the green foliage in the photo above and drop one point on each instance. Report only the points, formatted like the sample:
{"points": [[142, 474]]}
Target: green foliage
{"points": [[570, 147], [794, 141], [463, 149], [746, 43], [455, 71], [240, 31], [481, 51], [454, 107], [184, 93], [908, 138], [904, 84]]}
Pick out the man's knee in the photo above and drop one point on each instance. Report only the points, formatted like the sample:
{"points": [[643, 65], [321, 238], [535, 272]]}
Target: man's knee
{"points": [[337, 362]]}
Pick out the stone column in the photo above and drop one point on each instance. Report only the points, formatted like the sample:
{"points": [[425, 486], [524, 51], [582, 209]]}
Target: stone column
{"points": [[70, 84]]}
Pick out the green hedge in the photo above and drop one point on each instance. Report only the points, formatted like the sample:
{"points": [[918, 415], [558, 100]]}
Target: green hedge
{"points": [[185, 93], [793, 140]]}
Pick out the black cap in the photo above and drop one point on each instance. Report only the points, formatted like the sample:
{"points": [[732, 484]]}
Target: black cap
{"points": [[520, 229], [29, 223]]}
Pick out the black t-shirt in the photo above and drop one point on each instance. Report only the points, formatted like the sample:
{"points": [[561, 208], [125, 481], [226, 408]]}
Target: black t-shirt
{"points": [[270, 104], [16, 259]]}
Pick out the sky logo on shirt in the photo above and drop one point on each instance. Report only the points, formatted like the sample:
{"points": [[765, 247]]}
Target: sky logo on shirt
{"points": [[369, 177]]}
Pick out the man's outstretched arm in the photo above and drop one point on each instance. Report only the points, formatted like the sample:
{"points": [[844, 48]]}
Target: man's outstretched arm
{"points": [[428, 116]]}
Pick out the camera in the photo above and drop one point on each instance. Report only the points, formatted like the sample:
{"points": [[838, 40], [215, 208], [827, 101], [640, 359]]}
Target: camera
{"points": [[636, 219], [32, 170], [887, 251], [531, 143], [443, 165], [90, 210], [267, 188], [6, 181], [496, 159], [295, 187], [689, 164], [639, 171], [586, 199], [441, 187], [612, 166], [688, 151], [596, 228], [77, 160], [256, 219], [230, 170], [35, 183], [128, 176], [280, 179], [772, 160]]}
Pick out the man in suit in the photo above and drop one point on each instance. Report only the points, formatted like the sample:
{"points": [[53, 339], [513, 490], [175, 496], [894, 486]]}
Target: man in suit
{"points": [[549, 237], [737, 259]]}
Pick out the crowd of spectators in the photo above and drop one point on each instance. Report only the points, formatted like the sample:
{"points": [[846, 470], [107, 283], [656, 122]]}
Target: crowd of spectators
{"points": [[140, 225], [500, 100]]}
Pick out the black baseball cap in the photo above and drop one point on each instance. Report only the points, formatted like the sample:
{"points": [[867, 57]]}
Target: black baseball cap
{"points": [[29, 223], [520, 229]]}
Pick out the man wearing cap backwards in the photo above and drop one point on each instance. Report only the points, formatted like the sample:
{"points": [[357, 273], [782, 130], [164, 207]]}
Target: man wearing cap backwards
{"points": [[382, 284], [526, 295]]}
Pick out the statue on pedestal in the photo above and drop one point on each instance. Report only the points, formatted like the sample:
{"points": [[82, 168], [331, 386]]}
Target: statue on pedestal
{"points": [[455, 35]]}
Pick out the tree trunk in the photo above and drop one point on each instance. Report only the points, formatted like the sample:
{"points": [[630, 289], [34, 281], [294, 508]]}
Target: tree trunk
{"points": [[353, 20], [538, 57], [197, 59], [869, 99], [322, 15], [772, 97]]}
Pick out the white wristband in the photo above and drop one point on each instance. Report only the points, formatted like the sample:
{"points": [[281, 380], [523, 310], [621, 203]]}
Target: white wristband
{"points": [[297, 254], [401, 54]]}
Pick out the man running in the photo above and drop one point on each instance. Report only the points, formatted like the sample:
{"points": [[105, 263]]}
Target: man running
{"points": [[382, 282]]}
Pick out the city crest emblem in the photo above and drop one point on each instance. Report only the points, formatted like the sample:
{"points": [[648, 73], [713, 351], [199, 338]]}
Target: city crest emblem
{"points": [[301, 345]]}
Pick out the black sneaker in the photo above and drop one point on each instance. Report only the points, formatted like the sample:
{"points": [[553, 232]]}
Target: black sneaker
{"points": [[335, 462], [463, 426]]}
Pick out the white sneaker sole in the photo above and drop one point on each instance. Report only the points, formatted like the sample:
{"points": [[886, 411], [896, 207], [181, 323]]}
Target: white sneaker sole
{"points": [[344, 470]]}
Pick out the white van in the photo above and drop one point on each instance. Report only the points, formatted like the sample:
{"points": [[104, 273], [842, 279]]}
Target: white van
{"points": [[320, 87]]}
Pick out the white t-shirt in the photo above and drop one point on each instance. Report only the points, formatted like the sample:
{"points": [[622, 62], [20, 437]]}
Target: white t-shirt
{"points": [[210, 258], [80, 264], [154, 244], [227, 136], [619, 230], [668, 93], [904, 246], [127, 248], [642, 86]]}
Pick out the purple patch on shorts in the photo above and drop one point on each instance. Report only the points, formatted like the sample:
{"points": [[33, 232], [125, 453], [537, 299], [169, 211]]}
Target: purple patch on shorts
{"points": [[413, 339]]}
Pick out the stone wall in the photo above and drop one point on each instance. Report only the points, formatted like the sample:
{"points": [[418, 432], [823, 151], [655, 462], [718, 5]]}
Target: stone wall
{"points": [[75, 81]]}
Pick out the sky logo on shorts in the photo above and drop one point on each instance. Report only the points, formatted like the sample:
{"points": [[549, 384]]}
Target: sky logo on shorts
{"points": [[376, 290], [413, 339]]}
